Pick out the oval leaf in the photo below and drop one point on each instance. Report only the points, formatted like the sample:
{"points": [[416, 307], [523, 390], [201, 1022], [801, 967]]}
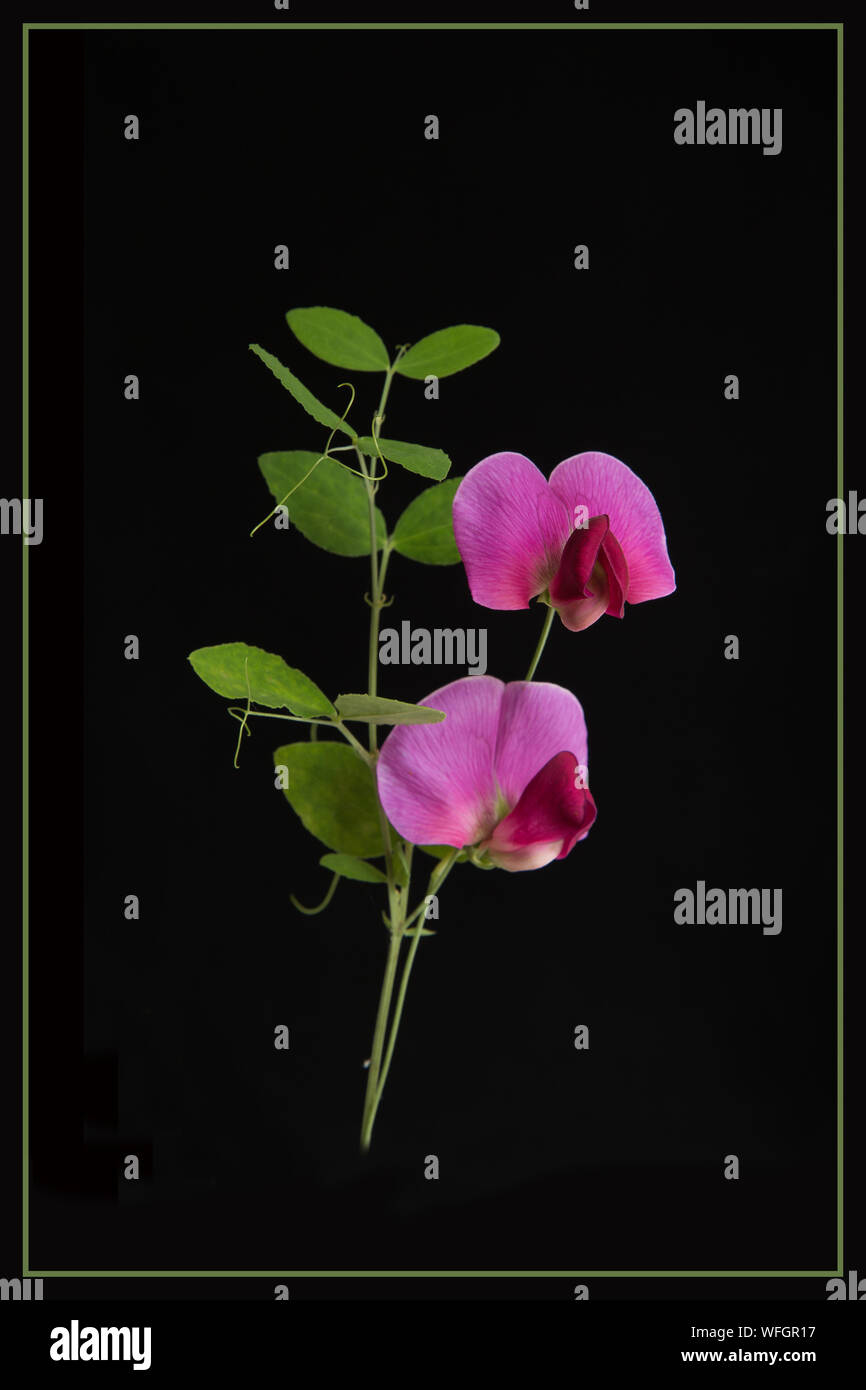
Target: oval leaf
{"points": [[430, 463], [371, 709], [332, 791], [339, 338], [425, 531], [330, 508], [347, 866], [237, 671], [448, 351], [311, 405]]}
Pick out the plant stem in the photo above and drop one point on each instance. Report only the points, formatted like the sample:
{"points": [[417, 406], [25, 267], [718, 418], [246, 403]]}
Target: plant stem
{"points": [[437, 878], [396, 897], [379, 418], [375, 594], [314, 725], [350, 738], [375, 610], [377, 574], [371, 1099], [545, 632], [377, 570]]}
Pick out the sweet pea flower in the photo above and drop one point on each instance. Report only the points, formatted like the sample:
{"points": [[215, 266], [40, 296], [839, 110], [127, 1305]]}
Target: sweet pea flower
{"points": [[591, 538], [503, 775]]}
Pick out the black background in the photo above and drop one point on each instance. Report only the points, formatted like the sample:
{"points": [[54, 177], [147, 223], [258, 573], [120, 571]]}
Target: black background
{"points": [[704, 1041]]}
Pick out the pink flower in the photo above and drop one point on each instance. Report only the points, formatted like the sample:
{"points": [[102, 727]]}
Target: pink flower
{"points": [[592, 537], [505, 773]]}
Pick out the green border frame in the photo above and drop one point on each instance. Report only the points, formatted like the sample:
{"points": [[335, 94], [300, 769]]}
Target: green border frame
{"points": [[421, 1273]]}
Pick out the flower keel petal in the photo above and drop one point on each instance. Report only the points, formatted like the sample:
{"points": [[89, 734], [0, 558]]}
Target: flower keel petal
{"points": [[580, 589], [604, 484], [554, 812], [537, 720]]}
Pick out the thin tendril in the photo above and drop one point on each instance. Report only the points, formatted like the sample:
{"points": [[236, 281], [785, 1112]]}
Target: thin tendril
{"points": [[326, 455], [283, 500], [244, 729], [311, 911]]}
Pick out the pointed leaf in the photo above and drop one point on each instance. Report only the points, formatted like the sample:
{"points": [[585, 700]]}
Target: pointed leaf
{"points": [[425, 531], [371, 709], [311, 405], [333, 792], [448, 351], [430, 463], [347, 866], [339, 338], [330, 508], [236, 670]]}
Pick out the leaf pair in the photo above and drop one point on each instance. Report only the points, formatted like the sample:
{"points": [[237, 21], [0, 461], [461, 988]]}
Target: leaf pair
{"points": [[417, 458], [241, 672], [344, 340], [330, 787], [330, 508]]}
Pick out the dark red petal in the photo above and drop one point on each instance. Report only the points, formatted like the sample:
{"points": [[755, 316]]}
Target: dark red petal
{"points": [[555, 808], [616, 569], [580, 590], [578, 561]]}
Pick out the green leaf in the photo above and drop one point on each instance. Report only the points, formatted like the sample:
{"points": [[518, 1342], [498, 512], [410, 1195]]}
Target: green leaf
{"points": [[304, 397], [349, 867], [448, 351], [235, 670], [339, 338], [333, 792], [330, 508], [370, 709], [430, 463], [425, 531]]}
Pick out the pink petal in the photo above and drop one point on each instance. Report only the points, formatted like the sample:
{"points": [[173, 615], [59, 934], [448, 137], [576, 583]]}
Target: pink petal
{"points": [[510, 530], [436, 781], [580, 589], [604, 485], [536, 721], [554, 812]]}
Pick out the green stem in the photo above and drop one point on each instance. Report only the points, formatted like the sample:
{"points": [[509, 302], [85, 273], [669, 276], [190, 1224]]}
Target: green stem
{"points": [[379, 417], [437, 878], [371, 1100], [337, 724], [396, 897], [375, 593], [350, 738], [377, 575], [375, 610], [235, 710], [545, 632], [377, 570]]}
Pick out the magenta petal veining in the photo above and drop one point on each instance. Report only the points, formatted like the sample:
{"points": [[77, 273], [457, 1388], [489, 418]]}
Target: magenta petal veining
{"points": [[592, 537], [505, 772]]}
